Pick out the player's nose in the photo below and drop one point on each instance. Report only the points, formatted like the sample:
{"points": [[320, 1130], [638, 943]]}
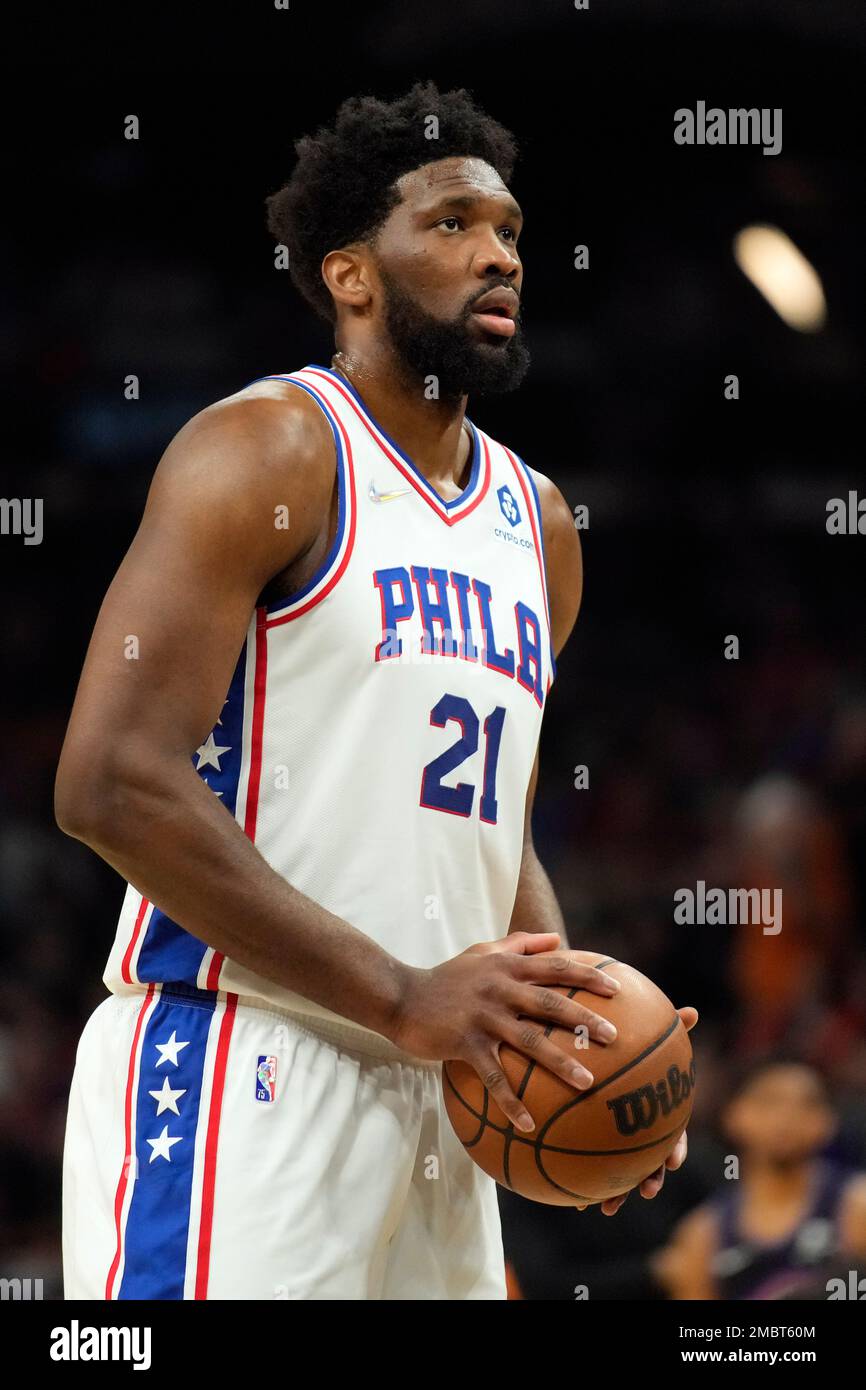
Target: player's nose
{"points": [[493, 254]]}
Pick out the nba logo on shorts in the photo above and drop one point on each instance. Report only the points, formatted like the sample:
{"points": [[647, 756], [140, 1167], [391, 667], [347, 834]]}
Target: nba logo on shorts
{"points": [[266, 1078]]}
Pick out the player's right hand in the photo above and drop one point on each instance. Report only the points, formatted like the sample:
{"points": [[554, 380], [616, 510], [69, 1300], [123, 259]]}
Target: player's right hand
{"points": [[496, 992]]}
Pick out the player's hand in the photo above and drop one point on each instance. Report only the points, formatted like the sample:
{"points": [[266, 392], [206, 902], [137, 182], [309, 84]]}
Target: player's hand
{"points": [[496, 992], [652, 1186]]}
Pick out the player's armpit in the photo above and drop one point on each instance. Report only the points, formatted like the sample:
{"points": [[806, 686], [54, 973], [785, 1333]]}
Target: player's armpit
{"points": [[172, 624]]}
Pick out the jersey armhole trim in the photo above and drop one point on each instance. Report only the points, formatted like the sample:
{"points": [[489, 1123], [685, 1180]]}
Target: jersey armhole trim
{"points": [[329, 572], [516, 459]]}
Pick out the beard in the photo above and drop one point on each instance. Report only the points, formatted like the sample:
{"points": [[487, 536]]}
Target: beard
{"points": [[447, 350]]}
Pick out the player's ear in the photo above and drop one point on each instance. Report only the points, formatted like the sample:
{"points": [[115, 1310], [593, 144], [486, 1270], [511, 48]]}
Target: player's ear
{"points": [[346, 273]]}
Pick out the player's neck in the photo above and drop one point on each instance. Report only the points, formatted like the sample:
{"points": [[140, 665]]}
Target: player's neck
{"points": [[429, 431]]}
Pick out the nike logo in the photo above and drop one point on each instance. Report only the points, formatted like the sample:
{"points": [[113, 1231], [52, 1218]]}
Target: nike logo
{"points": [[385, 496]]}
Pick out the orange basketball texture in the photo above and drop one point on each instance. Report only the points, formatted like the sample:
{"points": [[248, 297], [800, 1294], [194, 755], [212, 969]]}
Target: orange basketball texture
{"points": [[594, 1144]]}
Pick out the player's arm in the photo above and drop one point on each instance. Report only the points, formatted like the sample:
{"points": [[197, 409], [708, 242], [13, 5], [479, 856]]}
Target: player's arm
{"points": [[164, 648], [535, 905]]}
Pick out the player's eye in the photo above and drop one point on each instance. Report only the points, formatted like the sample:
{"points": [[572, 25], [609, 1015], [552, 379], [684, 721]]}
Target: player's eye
{"points": [[512, 234]]}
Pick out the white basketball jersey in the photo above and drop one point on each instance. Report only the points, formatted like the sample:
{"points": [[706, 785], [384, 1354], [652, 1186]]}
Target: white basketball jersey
{"points": [[380, 728]]}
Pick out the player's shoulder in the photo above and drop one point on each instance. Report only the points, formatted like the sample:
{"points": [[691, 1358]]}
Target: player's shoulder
{"points": [[556, 515], [268, 416], [261, 440]]}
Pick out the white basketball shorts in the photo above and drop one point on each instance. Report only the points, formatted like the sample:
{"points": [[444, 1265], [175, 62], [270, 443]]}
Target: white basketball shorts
{"points": [[216, 1149]]}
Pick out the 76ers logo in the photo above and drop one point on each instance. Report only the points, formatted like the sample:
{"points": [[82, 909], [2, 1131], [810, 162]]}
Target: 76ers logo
{"points": [[639, 1109], [266, 1078]]}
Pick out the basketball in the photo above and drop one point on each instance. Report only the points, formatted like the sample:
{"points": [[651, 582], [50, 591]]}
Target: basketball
{"points": [[593, 1144]]}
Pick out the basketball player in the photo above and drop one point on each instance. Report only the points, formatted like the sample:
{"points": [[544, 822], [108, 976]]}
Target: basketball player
{"points": [[789, 1214], [306, 735]]}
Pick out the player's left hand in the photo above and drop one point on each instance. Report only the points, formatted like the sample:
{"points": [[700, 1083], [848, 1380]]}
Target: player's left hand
{"points": [[652, 1186]]}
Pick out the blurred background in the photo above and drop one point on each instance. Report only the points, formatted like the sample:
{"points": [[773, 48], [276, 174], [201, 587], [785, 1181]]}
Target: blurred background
{"points": [[707, 516]]}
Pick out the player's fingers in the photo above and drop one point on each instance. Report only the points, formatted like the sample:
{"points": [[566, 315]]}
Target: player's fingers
{"points": [[677, 1157], [611, 1205], [537, 1002], [521, 943], [562, 968], [652, 1186], [689, 1017], [489, 1069], [528, 1037], [529, 943]]}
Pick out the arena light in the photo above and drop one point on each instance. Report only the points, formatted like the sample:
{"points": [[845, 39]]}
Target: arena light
{"points": [[781, 273]]}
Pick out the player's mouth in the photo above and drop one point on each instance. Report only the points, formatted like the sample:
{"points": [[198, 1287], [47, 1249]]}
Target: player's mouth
{"points": [[496, 313]]}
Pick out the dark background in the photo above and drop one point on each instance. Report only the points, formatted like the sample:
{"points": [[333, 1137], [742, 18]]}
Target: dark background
{"points": [[707, 517]]}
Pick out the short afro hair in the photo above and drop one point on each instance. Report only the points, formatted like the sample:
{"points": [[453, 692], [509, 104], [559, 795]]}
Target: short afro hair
{"points": [[342, 187]]}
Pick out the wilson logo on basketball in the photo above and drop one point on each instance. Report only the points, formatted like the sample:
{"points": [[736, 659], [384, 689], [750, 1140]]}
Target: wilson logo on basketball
{"points": [[574, 1156], [635, 1110]]}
